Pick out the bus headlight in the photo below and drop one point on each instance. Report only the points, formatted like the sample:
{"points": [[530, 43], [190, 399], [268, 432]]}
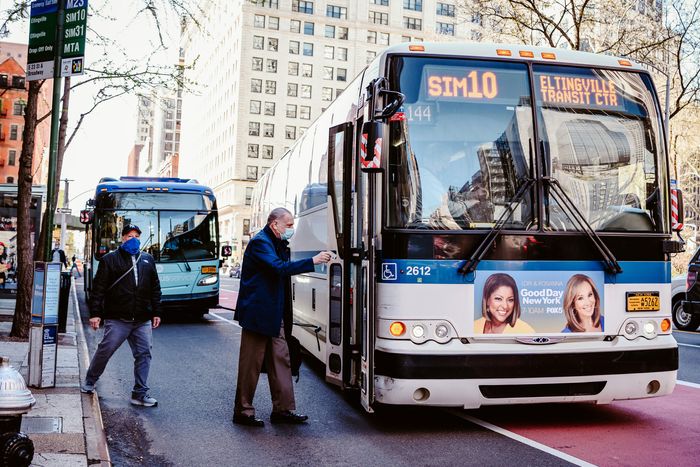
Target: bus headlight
{"points": [[418, 331], [649, 329], [208, 280], [441, 331]]}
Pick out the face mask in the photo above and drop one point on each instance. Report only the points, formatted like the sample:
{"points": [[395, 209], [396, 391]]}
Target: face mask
{"points": [[132, 246], [287, 234]]}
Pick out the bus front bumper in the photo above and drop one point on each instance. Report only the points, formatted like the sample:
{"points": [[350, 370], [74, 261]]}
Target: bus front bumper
{"points": [[194, 301]]}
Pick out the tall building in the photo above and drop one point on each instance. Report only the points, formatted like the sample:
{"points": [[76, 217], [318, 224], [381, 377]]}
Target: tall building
{"points": [[268, 68]]}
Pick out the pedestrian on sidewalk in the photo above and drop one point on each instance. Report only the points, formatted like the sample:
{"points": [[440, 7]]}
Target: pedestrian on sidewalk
{"points": [[126, 295], [74, 266], [58, 255], [264, 311]]}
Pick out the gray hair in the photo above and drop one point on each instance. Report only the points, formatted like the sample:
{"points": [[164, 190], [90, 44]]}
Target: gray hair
{"points": [[276, 214]]}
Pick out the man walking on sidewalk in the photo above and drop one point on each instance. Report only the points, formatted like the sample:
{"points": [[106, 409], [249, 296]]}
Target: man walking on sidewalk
{"points": [[126, 294], [264, 312]]}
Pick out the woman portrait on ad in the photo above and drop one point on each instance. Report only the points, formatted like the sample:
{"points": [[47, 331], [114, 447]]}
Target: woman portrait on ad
{"points": [[500, 308], [582, 305]]}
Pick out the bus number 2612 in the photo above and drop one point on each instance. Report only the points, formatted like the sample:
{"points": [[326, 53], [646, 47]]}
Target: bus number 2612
{"points": [[418, 271]]}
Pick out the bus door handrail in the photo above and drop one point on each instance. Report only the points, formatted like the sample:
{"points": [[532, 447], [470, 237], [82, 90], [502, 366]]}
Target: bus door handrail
{"points": [[609, 259]]}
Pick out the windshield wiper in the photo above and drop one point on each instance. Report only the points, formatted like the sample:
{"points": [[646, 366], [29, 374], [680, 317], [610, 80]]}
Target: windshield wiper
{"points": [[471, 264], [577, 217]]}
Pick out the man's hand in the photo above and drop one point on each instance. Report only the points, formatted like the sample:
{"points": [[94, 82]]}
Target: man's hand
{"points": [[322, 257], [155, 322], [95, 323]]}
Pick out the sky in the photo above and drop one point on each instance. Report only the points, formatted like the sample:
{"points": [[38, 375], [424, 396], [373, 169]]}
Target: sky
{"points": [[103, 142]]}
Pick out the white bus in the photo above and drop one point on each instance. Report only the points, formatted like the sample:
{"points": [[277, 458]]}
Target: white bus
{"points": [[501, 217]]}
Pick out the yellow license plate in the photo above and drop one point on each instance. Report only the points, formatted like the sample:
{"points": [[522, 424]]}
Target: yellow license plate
{"points": [[208, 269], [643, 301]]}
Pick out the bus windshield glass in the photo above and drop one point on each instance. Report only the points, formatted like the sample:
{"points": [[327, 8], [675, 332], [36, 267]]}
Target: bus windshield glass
{"points": [[463, 144], [169, 235]]}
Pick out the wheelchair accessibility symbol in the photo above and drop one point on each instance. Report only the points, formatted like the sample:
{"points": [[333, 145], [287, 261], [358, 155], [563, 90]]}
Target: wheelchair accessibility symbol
{"points": [[389, 272]]}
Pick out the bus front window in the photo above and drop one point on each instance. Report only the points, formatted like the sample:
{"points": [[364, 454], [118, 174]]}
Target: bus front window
{"points": [[109, 225], [187, 236], [461, 145]]}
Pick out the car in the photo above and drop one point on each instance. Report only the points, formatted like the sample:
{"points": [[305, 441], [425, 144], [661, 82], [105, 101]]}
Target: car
{"points": [[678, 286], [235, 271], [686, 305]]}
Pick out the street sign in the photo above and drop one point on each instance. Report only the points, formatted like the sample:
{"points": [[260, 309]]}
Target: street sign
{"points": [[43, 337], [42, 39], [73, 53]]}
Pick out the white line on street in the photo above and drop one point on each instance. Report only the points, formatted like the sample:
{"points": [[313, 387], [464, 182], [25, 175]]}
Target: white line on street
{"points": [[229, 321], [522, 439], [690, 345], [227, 290], [688, 383]]}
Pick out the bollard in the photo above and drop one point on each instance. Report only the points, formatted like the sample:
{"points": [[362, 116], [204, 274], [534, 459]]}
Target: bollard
{"points": [[16, 449]]}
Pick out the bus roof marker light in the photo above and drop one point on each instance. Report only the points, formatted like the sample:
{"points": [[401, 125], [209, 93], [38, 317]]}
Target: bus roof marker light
{"points": [[416, 48], [503, 52], [397, 328], [527, 54], [549, 55], [624, 62]]}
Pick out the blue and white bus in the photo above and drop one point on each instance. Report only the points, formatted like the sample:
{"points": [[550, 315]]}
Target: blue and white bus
{"points": [[179, 227], [501, 217]]}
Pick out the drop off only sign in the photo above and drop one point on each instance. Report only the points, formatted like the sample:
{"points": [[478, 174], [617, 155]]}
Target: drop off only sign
{"points": [[42, 38]]}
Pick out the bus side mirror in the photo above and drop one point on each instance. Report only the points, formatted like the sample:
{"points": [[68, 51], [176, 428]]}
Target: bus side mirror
{"points": [[371, 144], [677, 215], [86, 216], [226, 251]]}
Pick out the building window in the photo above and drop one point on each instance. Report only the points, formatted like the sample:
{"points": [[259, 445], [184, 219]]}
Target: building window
{"points": [[270, 109], [14, 129], [341, 53], [308, 49], [381, 2], [273, 23], [290, 132], [339, 12], [294, 47], [291, 111], [302, 6], [255, 107], [341, 74], [295, 26], [304, 112], [415, 5], [254, 128], [11, 157], [271, 65], [327, 94], [293, 68], [267, 3], [405, 38], [258, 42], [268, 151], [476, 18], [248, 195], [476, 36], [257, 64], [292, 89], [308, 28], [342, 33], [268, 130], [251, 172], [412, 23], [370, 55], [445, 28], [328, 52], [330, 31], [384, 38], [18, 108], [307, 70], [246, 222], [372, 37], [270, 87], [327, 72], [379, 18], [259, 21], [10, 179], [255, 85], [253, 150], [272, 44], [305, 91], [445, 9]]}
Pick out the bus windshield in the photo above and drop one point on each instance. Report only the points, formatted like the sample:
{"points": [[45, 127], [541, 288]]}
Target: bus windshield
{"points": [[464, 143], [169, 235]]}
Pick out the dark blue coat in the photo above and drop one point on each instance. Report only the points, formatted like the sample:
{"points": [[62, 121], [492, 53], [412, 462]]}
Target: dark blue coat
{"points": [[265, 272]]}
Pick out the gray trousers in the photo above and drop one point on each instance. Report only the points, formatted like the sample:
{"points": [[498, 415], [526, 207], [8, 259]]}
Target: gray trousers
{"points": [[140, 337], [254, 349]]}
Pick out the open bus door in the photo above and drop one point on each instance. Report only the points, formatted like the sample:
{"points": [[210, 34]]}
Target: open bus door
{"points": [[342, 272]]}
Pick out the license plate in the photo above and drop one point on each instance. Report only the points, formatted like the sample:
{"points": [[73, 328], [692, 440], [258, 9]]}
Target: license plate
{"points": [[643, 301], [208, 269]]}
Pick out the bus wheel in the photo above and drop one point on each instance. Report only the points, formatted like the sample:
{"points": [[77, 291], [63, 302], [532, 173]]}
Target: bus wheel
{"points": [[684, 321]]}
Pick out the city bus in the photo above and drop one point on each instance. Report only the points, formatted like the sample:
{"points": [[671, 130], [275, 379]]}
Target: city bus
{"points": [[179, 228], [502, 222]]}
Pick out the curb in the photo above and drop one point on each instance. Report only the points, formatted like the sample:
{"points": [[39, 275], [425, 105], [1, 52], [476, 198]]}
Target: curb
{"points": [[97, 451]]}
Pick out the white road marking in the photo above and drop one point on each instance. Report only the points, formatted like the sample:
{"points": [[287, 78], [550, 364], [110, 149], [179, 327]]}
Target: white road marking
{"points": [[688, 383], [521, 439], [227, 290], [689, 345], [229, 321]]}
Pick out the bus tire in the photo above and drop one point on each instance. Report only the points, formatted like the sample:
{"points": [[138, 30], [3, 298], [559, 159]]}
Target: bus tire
{"points": [[682, 320]]}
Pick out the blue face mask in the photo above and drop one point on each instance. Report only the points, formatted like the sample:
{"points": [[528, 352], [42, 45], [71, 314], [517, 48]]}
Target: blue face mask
{"points": [[287, 234], [132, 246]]}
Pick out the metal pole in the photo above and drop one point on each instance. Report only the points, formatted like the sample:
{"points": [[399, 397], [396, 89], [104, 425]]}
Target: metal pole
{"points": [[55, 118], [63, 213]]}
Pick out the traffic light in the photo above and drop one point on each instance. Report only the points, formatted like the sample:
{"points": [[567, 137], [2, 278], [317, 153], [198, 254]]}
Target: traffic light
{"points": [[226, 251]]}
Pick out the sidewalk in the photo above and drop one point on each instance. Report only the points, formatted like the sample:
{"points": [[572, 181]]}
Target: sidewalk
{"points": [[65, 425]]}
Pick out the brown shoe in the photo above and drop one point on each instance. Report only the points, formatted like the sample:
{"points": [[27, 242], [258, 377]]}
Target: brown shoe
{"points": [[248, 420]]}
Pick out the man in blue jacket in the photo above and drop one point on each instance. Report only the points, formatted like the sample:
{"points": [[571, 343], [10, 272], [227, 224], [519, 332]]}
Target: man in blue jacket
{"points": [[260, 309]]}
